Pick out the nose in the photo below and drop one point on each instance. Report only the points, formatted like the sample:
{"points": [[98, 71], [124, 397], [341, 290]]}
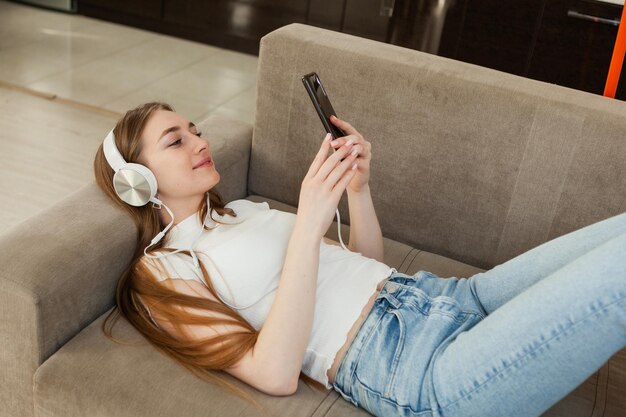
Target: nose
{"points": [[201, 144]]}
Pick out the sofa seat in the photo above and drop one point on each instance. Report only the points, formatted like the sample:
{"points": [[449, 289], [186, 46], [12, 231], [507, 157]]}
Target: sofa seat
{"points": [[93, 376]]}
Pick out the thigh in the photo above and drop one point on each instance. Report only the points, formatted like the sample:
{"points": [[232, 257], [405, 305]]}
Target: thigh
{"points": [[500, 284], [538, 347], [385, 368]]}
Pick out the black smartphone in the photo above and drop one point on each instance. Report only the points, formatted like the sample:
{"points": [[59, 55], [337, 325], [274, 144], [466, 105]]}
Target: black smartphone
{"points": [[321, 102]]}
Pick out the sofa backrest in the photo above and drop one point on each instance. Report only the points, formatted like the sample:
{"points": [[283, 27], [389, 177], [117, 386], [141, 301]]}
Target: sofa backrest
{"points": [[468, 162]]}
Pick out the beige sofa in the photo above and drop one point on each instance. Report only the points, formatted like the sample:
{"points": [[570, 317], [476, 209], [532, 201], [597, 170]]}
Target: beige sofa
{"points": [[470, 168]]}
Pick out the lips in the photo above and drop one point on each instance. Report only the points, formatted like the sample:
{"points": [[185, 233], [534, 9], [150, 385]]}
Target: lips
{"points": [[204, 161]]}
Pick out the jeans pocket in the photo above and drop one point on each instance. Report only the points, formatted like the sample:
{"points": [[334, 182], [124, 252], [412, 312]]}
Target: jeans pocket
{"points": [[400, 333], [379, 359]]}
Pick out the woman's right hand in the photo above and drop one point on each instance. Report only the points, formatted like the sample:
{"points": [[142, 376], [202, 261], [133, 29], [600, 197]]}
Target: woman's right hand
{"points": [[323, 186]]}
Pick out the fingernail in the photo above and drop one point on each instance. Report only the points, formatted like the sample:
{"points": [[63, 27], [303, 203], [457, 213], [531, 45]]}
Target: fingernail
{"points": [[350, 142], [327, 136], [353, 166]]}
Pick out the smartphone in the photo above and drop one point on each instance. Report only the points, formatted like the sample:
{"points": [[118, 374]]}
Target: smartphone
{"points": [[321, 102]]}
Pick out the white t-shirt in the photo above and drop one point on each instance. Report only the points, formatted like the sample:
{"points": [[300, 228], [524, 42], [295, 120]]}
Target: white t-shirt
{"points": [[244, 258]]}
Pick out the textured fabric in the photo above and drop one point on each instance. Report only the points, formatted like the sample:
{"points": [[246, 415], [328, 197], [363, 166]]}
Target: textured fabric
{"points": [[244, 256], [511, 341], [468, 162]]}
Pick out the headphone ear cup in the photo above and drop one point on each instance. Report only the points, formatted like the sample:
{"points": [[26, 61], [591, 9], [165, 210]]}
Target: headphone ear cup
{"points": [[135, 184]]}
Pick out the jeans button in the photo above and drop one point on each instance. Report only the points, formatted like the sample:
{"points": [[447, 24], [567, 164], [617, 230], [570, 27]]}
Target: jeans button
{"points": [[391, 287]]}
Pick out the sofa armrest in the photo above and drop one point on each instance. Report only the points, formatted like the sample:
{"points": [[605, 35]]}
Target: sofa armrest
{"points": [[60, 267], [230, 142], [59, 271]]}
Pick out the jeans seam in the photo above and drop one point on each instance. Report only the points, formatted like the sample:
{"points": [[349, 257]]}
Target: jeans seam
{"points": [[451, 301], [388, 400], [456, 317], [398, 351], [532, 351]]}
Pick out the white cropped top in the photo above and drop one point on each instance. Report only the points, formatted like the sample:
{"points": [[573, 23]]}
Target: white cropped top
{"points": [[244, 257]]}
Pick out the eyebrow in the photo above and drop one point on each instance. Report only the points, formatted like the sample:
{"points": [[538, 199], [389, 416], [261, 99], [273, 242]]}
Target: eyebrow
{"points": [[173, 129]]}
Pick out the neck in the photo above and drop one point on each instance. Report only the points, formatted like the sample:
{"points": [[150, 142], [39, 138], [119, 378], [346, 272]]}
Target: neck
{"points": [[181, 208]]}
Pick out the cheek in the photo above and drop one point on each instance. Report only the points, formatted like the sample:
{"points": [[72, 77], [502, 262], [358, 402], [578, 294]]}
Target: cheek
{"points": [[171, 173]]}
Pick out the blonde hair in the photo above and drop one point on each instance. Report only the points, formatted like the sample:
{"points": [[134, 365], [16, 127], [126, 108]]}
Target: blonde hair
{"points": [[137, 284]]}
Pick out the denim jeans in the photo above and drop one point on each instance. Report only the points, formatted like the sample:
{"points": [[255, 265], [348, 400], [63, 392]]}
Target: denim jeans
{"points": [[510, 341]]}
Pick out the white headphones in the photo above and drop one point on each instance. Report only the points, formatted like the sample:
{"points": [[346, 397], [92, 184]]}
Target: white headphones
{"points": [[136, 185]]}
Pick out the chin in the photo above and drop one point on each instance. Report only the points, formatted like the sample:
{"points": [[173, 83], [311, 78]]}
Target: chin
{"points": [[214, 183]]}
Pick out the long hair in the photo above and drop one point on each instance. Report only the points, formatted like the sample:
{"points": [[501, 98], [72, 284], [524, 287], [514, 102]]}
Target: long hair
{"points": [[138, 285]]}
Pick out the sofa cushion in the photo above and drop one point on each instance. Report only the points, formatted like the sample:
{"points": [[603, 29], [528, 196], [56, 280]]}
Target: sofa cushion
{"points": [[91, 375]]}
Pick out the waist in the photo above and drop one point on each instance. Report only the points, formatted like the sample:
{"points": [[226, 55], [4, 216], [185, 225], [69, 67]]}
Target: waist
{"points": [[353, 331]]}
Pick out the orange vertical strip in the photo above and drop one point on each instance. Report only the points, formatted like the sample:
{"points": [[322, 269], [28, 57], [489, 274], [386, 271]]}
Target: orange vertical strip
{"points": [[617, 59]]}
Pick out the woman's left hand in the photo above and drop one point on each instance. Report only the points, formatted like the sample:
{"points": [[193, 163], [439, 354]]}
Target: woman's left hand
{"points": [[362, 175]]}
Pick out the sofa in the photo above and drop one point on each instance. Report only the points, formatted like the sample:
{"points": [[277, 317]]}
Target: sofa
{"points": [[471, 167]]}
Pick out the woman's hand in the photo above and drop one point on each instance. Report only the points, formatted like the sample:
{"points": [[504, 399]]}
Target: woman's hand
{"points": [[364, 148], [323, 186]]}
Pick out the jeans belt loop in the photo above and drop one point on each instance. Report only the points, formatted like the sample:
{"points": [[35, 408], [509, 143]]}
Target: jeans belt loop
{"points": [[387, 293]]}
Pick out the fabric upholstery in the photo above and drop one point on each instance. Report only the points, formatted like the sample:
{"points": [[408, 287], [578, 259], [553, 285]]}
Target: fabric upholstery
{"points": [[468, 162], [470, 167]]}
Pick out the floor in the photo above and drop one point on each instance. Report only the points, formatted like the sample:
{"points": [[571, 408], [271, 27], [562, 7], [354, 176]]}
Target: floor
{"points": [[65, 79]]}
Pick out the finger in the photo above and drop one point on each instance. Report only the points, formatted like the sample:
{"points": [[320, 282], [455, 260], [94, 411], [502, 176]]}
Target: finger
{"points": [[319, 159], [343, 125], [342, 184], [364, 150], [359, 150], [336, 174], [332, 161], [336, 143]]}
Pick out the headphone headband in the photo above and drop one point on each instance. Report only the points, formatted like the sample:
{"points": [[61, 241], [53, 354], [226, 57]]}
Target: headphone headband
{"points": [[111, 153]]}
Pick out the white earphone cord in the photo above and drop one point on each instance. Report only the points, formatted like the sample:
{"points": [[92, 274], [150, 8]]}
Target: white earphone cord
{"points": [[339, 230], [159, 236]]}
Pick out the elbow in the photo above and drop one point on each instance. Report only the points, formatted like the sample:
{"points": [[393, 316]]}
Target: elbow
{"points": [[291, 388], [284, 390]]}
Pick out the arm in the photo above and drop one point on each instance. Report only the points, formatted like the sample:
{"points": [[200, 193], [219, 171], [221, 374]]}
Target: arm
{"points": [[365, 234], [284, 336], [274, 363]]}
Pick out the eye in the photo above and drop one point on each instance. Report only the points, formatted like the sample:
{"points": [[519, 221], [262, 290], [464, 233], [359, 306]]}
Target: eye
{"points": [[177, 142]]}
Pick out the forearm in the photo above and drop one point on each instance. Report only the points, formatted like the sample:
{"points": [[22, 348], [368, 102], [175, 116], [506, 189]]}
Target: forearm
{"points": [[365, 234], [285, 334]]}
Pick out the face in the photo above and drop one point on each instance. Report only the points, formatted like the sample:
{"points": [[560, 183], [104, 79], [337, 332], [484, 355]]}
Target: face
{"points": [[171, 149]]}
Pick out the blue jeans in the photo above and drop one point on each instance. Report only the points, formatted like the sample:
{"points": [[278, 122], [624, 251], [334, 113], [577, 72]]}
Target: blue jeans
{"points": [[511, 341]]}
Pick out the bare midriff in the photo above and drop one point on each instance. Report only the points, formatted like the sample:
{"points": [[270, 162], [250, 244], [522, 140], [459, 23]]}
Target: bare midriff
{"points": [[353, 331]]}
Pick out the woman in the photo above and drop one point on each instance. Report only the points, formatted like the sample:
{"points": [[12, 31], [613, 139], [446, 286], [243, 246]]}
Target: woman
{"points": [[511, 341]]}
